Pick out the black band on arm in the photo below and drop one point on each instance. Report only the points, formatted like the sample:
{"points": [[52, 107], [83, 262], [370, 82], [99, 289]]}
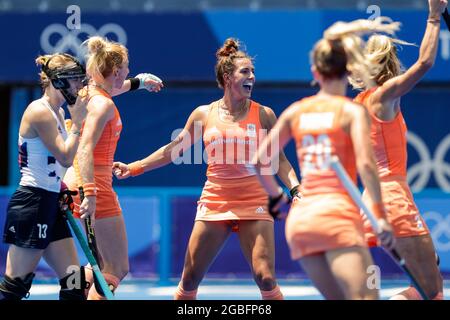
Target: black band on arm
{"points": [[135, 83], [294, 191]]}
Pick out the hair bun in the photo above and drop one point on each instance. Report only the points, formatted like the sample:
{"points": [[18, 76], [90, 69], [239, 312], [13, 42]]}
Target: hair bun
{"points": [[96, 44], [42, 60], [229, 47]]}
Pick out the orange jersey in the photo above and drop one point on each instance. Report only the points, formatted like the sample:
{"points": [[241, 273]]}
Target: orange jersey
{"points": [[402, 213], [388, 140], [107, 201], [318, 136], [323, 222], [106, 146], [232, 191], [233, 199], [231, 146], [325, 218]]}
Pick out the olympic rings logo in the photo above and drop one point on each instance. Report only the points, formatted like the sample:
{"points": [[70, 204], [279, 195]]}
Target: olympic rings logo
{"points": [[439, 229], [57, 38], [419, 173]]}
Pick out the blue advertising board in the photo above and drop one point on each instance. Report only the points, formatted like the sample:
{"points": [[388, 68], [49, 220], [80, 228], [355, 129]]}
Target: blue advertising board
{"points": [[182, 46]]}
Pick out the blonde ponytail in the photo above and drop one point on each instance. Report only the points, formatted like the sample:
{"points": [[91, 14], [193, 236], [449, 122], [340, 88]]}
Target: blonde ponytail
{"points": [[341, 51], [103, 56], [381, 50]]}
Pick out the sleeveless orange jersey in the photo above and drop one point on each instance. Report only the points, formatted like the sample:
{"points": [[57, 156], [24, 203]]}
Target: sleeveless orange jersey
{"points": [[230, 146], [232, 191], [389, 142], [318, 135], [107, 201], [106, 146], [325, 218]]}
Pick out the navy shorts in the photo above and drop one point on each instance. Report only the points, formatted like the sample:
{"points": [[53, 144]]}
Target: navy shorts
{"points": [[33, 219]]}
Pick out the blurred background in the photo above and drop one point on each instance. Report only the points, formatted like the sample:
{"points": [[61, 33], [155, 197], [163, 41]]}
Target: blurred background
{"points": [[177, 40]]}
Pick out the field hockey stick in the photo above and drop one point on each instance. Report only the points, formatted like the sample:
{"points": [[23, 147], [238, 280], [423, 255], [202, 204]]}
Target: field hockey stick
{"points": [[90, 257], [356, 196], [446, 17], [92, 243], [90, 234]]}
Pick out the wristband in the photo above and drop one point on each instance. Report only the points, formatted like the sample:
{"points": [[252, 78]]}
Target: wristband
{"points": [[295, 192], [136, 168], [143, 76], [89, 189], [433, 20], [90, 193], [135, 83]]}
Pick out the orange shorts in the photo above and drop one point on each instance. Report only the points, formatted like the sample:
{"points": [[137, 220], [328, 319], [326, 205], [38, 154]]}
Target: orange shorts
{"points": [[322, 222], [107, 202], [233, 199], [402, 212]]}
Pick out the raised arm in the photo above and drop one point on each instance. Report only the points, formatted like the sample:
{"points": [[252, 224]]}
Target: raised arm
{"points": [[168, 153], [402, 84], [285, 171], [145, 81]]}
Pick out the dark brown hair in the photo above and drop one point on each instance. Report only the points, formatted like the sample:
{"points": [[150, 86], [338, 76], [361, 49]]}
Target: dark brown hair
{"points": [[225, 59]]}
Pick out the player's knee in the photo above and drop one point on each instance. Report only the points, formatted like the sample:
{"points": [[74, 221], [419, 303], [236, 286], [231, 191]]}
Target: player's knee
{"points": [[120, 270], [73, 286], [264, 281], [17, 288], [124, 270], [432, 291], [191, 281]]}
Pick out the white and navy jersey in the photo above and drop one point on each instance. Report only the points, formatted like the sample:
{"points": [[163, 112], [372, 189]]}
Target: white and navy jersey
{"points": [[39, 168]]}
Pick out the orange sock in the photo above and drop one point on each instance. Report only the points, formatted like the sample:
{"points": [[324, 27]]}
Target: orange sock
{"points": [[181, 294], [111, 280], [274, 294]]}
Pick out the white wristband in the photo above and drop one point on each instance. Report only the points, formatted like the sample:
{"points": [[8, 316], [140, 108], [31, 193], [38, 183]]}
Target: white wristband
{"points": [[144, 76]]}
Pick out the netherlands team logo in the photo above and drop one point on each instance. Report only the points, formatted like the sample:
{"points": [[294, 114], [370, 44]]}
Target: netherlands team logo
{"points": [[251, 130]]}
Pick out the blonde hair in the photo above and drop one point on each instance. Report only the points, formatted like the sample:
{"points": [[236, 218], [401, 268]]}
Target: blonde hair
{"points": [[382, 51], [57, 60], [225, 59], [340, 52], [103, 56]]}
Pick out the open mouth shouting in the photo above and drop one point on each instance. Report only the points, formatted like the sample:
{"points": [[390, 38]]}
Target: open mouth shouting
{"points": [[248, 86]]}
